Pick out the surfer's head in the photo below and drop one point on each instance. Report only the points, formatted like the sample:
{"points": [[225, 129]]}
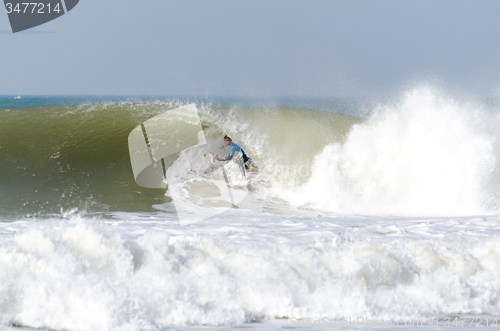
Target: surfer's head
{"points": [[227, 140]]}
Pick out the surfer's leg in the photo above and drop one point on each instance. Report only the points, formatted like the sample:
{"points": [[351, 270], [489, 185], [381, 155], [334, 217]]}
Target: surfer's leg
{"points": [[242, 168], [245, 160], [241, 165]]}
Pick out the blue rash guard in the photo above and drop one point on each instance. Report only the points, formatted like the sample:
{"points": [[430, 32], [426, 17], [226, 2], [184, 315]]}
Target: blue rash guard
{"points": [[240, 161], [234, 148]]}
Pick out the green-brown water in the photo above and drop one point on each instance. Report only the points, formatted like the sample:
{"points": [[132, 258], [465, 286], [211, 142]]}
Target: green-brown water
{"points": [[56, 159]]}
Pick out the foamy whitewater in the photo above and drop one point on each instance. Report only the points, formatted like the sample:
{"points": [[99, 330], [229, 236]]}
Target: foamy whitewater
{"points": [[388, 214]]}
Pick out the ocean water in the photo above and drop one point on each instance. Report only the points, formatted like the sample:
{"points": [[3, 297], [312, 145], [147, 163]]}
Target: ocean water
{"points": [[364, 212]]}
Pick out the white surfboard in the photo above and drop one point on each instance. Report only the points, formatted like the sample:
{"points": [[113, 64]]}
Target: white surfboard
{"points": [[240, 183]]}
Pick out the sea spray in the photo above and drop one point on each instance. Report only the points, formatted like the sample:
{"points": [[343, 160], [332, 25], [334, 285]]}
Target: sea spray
{"points": [[426, 155]]}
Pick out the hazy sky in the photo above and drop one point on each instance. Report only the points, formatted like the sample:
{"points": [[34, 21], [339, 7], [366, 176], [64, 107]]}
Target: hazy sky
{"points": [[255, 48]]}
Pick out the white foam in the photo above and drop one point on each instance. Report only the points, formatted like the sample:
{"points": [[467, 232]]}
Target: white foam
{"points": [[135, 273], [427, 155]]}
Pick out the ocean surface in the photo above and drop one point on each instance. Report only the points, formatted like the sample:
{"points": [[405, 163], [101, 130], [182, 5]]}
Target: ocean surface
{"points": [[358, 214]]}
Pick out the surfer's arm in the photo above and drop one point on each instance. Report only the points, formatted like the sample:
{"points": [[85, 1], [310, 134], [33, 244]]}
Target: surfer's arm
{"points": [[227, 158], [230, 156]]}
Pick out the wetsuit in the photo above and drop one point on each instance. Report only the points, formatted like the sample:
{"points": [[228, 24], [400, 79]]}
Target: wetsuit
{"points": [[239, 159]]}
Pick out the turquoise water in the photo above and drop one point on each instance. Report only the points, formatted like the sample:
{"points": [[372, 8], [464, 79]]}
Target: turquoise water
{"points": [[337, 104]]}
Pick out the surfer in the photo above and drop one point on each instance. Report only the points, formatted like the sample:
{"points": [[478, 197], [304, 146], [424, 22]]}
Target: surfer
{"points": [[239, 160]]}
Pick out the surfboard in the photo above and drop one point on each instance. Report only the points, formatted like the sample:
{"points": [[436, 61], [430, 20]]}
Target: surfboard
{"points": [[240, 183]]}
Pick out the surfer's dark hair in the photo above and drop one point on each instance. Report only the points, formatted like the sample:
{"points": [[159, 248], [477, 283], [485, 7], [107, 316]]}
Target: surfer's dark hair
{"points": [[226, 137]]}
